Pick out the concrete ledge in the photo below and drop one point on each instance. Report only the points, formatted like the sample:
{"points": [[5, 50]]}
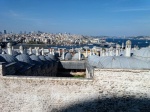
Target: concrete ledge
{"points": [[124, 70], [46, 78]]}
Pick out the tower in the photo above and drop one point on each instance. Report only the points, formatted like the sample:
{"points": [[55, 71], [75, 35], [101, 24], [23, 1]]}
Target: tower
{"points": [[5, 32]]}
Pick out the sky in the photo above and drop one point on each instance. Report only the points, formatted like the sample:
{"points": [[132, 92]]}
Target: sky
{"points": [[85, 17]]}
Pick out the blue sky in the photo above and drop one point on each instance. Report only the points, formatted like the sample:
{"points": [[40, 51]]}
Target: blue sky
{"points": [[87, 17]]}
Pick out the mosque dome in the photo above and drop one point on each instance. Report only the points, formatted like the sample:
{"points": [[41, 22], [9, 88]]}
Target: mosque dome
{"points": [[86, 47], [33, 51], [14, 53], [118, 46], [9, 44], [36, 59], [52, 56], [68, 56], [48, 58], [8, 58], [2, 59], [128, 42], [91, 60], [45, 61], [76, 56], [111, 48], [143, 54], [118, 62], [24, 58], [42, 58]]}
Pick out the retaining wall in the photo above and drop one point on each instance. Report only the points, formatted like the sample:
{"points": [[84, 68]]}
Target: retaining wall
{"points": [[109, 90]]}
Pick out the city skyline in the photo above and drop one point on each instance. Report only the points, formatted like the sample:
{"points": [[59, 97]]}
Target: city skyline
{"points": [[87, 17]]}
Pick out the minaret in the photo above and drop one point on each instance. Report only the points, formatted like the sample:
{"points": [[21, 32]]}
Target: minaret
{"points": [[9, 48], [128, 48]]}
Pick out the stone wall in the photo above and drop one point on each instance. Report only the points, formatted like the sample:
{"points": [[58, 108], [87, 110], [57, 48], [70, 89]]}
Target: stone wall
{"points": [[2, 69], [10, 69], [43, 70], [111, 90], [72, 64]]}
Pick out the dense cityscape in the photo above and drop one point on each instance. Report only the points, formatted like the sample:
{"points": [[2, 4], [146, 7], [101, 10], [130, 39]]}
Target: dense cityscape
{"points": [[60, 39]]}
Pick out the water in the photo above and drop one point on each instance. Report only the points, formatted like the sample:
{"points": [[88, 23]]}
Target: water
{"points": [[73, 46], [139, 43], [53, 46]]}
